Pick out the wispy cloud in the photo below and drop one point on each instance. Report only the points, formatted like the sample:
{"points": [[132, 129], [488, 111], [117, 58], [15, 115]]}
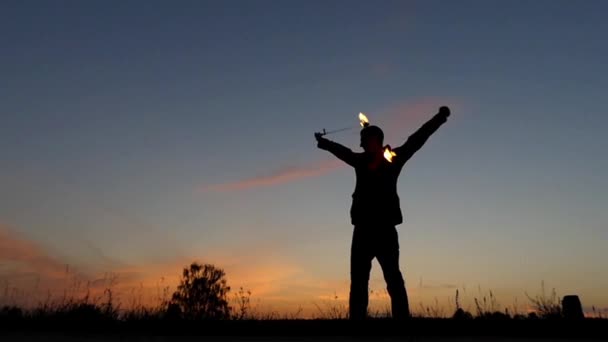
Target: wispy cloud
{"points": [[16, 249], [283, 175]]}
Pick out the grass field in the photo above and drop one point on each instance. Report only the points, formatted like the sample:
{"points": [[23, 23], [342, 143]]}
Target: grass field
{"points": [[78, 312], [97, 319]]}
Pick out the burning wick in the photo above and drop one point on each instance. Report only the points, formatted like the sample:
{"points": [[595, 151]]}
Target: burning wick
{"points": [[389, 154], [363, 120]]}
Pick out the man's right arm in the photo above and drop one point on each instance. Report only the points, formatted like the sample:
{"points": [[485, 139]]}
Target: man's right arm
{"points": [[341, 152]]}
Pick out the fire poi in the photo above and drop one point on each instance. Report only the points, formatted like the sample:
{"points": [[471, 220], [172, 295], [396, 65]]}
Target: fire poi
{"points": [[364, 122]]}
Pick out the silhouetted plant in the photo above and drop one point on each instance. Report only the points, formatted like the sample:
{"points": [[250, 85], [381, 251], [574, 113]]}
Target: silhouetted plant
{"points": [[337, 310], [515, 308], [296, 314], [243, 303], [202, 293], [461, 314], [163, 296], [383, 312], [598, 312], [435, 311], [488, 307], [379, 304], [546, 307]]}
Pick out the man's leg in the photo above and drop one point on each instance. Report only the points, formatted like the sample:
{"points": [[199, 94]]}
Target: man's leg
{"points": [[360, 267], [388, 257]]}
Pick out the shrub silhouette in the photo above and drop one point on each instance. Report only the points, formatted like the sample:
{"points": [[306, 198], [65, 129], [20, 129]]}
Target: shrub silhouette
{"points": [[201, 294]]}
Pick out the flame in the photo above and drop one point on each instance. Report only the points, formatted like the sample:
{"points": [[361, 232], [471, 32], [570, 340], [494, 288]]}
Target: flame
{"points": [[363, 119], [389, 154]]}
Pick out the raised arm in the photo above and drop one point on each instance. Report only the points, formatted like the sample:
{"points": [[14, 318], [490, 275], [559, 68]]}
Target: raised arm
{"points": [[342, 152], [419, 138]]}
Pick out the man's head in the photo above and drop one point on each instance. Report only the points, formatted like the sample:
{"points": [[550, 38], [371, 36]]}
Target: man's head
{"points": [[372, 139]]}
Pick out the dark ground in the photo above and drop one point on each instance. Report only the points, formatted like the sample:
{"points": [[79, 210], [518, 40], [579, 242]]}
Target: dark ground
{"points": [[74, 338], [308, 330]]}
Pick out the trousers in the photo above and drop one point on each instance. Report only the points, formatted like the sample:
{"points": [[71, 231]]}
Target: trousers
{"points": [[381, 243]]}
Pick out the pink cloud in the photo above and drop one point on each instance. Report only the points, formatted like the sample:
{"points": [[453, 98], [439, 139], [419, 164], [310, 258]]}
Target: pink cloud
{"points": [[284, 175], [17, 249]]}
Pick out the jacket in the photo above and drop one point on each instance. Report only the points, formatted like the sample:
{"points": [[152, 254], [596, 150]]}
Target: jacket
{"points": [[375, 200]]}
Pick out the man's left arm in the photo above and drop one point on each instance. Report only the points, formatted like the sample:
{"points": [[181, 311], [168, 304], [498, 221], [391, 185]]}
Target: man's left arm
{"points": [[419, 138]]}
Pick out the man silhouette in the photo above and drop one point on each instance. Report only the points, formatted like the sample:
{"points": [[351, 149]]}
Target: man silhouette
{"points": [[375, 211]]}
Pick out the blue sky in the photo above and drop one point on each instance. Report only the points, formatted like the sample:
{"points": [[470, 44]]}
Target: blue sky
{"points": [[116, 116]]}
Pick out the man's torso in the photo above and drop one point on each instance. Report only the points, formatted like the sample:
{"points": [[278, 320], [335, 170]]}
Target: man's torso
{"points": [[375, 200]]}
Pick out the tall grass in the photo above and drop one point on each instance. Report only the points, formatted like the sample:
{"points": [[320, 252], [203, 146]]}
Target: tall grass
{"points": [[547, 306], [78, 302]]}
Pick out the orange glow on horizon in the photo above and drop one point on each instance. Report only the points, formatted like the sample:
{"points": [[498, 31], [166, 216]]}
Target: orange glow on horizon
{"points": [[279, 286]]}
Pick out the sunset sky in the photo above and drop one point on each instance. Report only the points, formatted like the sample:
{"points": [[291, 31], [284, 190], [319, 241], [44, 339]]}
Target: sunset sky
{"points": [[138, 136]]}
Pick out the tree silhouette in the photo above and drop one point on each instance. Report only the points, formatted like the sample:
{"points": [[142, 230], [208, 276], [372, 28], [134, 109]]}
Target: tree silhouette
{"points": [[202, 293]]}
